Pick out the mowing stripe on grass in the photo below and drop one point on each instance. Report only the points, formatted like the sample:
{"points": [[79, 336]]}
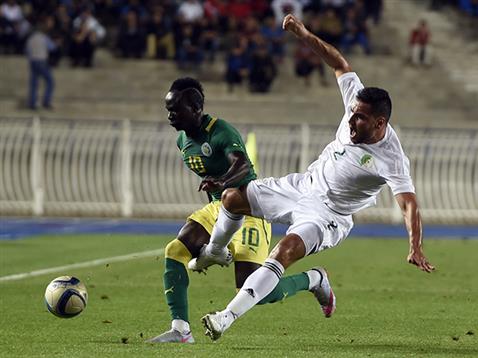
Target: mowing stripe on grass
{"points": [[106, 260]]}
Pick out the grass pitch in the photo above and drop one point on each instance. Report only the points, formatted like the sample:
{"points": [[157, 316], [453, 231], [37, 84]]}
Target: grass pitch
{"points": [[385, 307]]}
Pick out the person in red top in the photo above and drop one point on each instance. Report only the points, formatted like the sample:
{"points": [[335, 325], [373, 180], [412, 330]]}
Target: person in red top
{"points": [[239, 9], [420, 44]]}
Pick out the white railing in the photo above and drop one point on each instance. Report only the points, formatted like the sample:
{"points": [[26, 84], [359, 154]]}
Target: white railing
{"points": [[133, 168]]}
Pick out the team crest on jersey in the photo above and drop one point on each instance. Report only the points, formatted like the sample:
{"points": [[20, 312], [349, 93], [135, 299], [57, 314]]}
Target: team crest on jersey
{"points": [[366, 161], [206, 149]]}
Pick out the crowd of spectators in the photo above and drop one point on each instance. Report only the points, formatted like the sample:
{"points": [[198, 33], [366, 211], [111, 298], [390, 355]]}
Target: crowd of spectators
{"points": [[467, 6], [247, 33]]}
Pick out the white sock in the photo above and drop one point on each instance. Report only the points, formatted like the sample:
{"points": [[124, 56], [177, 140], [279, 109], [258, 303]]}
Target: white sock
{"points": [[181, 326], [226, 226], [257, 286], [314, 278]]}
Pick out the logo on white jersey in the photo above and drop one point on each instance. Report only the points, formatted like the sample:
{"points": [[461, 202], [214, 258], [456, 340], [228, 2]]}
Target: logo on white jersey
{"points": [[338, 154], [366, 161], [206, 149]]}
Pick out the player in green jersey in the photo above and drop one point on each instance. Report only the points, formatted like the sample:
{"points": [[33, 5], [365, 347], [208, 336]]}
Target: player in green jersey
{"points": [[215, 151]]}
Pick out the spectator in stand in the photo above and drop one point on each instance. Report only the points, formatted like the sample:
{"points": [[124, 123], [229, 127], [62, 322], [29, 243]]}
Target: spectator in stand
{"points": [[239, 10], [37, 48], [469, 6], [131, 37], [262, 70], [261, 9], [374, 10], [160, 40], [474, 7], [217, 10], [189, 54], [13, 27], [355, 32], [329, 27], [87, 32], [61, 34], [420, 52], [237, 64], [250, 29], [306, 61], [338, 5], [55, 52], [209, 38], [190, 11], [284, 7], [137, 7], [274, 36]]}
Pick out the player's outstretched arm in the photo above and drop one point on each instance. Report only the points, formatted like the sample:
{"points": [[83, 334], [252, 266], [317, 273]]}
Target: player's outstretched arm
{"points": [[326, 51], [411, 214]]}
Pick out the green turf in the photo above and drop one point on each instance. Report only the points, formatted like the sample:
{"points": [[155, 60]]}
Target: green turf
{"points": [[386, 308]]}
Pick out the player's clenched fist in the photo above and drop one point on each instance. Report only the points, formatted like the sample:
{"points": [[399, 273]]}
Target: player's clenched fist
{"points": [[294, 25]]}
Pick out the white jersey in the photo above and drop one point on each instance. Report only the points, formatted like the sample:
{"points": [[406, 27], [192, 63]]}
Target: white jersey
{"points": [[350, 176]]}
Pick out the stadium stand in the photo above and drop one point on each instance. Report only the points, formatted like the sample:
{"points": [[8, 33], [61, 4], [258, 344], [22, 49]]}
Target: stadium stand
{"points": [[118, 88], [111, 114]]}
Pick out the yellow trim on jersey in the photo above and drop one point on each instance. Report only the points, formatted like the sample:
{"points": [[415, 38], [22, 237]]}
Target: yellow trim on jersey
{"points": [[251, 149], [211, 123], [250, 243]]}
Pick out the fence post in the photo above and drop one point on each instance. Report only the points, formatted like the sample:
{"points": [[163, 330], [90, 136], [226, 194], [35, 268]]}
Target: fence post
{"points": [[36, 169], [305, 144], [126, 193]]}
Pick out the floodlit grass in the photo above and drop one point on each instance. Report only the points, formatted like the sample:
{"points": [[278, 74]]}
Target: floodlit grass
{"points": [[386, 308]]}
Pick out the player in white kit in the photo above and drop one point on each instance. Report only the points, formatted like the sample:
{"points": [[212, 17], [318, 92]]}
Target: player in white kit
{"points": [[318, 205]]}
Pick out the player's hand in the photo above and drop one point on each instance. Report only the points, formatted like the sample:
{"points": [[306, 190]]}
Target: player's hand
{"points": [[294, 25], [418, 259], [209, 184]]}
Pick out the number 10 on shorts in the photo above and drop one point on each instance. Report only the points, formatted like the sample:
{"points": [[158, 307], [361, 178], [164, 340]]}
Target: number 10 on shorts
{"points": [[250, 236]]}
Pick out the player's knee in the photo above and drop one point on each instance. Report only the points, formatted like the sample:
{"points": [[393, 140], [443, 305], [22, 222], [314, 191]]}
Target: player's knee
{"points": [[177, 251], [234, 200], [229, 198]]}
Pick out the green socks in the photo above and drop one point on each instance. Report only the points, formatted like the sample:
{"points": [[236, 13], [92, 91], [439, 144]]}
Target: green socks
{"points": [[176, 282], [288, 286]]}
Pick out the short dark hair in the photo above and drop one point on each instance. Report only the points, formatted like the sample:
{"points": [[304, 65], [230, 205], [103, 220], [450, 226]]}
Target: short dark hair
{"points": [[192, 88], [378, 99]]}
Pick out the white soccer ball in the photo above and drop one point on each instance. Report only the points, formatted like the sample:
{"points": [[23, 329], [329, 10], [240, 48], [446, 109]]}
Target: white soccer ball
{"points": [[66, 296]]}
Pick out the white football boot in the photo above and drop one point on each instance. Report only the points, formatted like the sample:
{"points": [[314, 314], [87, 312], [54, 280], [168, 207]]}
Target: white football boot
{"points": [[172, 336], [216, 323], [323, 292], [204, 260]]}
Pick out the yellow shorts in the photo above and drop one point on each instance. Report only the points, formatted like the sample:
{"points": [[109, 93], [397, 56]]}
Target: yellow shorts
{"points": [[250, 243]]}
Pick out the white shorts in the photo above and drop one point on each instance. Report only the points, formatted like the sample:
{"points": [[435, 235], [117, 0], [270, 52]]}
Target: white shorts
{"points": [[291, 200]]}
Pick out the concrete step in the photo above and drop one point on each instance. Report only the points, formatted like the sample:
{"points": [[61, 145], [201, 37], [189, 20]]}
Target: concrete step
{"points": [[436, 96]]}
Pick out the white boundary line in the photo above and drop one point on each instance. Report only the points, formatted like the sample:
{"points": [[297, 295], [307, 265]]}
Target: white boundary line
{"points": [[106, 260]]}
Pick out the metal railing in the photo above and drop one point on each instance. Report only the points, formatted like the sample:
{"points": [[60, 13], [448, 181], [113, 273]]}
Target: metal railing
{"points": [[133, 168]]}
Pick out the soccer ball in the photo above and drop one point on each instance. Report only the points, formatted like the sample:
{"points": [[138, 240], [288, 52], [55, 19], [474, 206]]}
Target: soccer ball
{"points": [[66, 296]]}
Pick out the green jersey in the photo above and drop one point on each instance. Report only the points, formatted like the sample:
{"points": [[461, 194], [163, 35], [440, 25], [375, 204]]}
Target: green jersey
{"points": [[207, 154]]}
